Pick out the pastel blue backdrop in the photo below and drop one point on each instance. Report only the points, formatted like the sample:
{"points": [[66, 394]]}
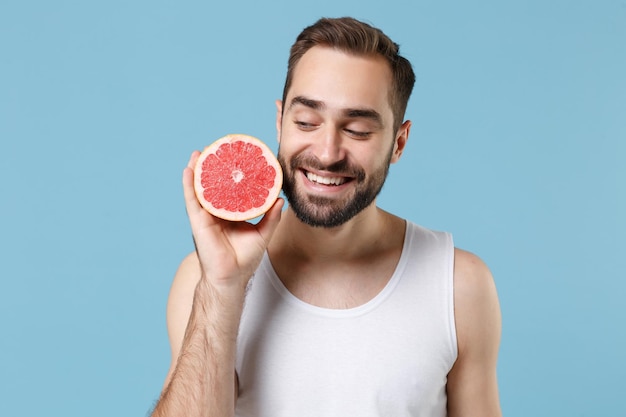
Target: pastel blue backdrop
{"points": [[518, 148]]}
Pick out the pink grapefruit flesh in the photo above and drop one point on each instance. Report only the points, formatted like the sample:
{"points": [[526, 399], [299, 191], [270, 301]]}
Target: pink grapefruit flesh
{"points": [[237, 178]]}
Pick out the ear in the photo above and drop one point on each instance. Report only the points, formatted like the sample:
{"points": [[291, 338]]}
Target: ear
{"points": [[279, 118], [400, 142]]}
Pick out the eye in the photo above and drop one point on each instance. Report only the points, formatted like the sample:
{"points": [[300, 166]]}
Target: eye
{"points": [[358, 134], [304, 125]]}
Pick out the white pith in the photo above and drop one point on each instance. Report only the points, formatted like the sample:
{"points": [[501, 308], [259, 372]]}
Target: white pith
{"points": [[325, 180], [237, 175]]}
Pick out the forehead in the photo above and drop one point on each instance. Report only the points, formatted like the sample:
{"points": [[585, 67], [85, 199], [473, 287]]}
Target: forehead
{"points": [[342, 80]]}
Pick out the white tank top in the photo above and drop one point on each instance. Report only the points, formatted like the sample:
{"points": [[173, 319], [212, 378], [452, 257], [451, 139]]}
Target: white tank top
{"points": [[388, 357]]}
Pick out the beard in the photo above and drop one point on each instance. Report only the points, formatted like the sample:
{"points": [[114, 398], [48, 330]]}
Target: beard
{"points": [[319, 211]]}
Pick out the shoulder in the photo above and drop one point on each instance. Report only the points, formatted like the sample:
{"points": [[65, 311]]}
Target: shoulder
{"points": [[181, 298], [186, 278], [472, 383], [477, 310], [470, 270], [179, 305]]}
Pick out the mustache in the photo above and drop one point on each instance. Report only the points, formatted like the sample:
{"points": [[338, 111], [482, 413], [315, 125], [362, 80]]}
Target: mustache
{"points": [[342, 167]]}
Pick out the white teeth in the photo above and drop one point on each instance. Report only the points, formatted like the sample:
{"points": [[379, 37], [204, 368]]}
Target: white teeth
{"points": [[325, 180]]}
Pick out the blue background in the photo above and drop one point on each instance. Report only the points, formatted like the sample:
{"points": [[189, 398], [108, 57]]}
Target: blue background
{"points": [[518, 148]]}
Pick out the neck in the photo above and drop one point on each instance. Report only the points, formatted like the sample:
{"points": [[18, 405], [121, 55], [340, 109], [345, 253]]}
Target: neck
{"points": [[340, 267], [357, 238]]}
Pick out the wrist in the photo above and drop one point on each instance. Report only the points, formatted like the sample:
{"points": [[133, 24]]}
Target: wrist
{"points": [[227, 294]]}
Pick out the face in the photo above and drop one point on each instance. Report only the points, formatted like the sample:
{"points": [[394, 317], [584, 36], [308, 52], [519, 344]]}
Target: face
{"points": [[336, 136]]}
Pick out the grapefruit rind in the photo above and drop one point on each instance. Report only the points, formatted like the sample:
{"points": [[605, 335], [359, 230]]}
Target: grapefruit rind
{"points": [[237, 178]]}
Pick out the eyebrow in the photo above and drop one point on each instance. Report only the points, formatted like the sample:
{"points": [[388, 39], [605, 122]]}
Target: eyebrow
{"points": [[370, 114], [307, 102], [357, 113]]}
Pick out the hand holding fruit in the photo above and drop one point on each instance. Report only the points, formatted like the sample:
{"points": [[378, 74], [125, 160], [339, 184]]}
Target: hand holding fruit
{"points": [[230, 251]]}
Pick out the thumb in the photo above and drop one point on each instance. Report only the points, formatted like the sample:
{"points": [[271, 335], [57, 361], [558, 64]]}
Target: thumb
{"points": [[270, 220]]}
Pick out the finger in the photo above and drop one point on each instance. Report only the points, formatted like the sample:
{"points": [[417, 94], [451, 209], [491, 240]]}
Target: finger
{"points": [[191, 201], [188, 172], [193, 159], [194, 210], [268, 223]]}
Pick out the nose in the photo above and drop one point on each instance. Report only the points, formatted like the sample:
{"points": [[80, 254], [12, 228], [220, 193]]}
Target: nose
{"points": [[330, 147]]}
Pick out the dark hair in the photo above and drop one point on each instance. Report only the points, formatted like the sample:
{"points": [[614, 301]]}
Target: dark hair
{"points": [[358, 38]]}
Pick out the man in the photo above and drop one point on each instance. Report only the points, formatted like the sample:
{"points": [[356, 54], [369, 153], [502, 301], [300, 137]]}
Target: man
{"points": [[352, 311]]}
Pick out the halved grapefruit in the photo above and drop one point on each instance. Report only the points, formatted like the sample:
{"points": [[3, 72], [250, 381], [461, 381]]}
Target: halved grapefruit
{"points": [[237, 178]]}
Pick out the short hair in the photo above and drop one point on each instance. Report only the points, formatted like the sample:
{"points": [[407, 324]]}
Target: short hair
{"points": [[355, 37]]}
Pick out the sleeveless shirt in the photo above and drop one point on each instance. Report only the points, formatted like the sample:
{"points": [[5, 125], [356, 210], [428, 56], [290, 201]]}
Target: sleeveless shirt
{"points": [[388, 357]]}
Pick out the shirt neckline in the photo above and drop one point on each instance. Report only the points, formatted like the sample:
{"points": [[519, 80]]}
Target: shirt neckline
{"points": [[362, 309]]}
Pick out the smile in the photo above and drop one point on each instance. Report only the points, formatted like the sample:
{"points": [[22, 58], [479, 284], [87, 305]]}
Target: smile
{"points": [[325, 180]]}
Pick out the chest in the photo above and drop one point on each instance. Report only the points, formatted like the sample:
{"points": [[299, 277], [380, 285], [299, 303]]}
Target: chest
{"points": [[338, 285], [389, 356]]}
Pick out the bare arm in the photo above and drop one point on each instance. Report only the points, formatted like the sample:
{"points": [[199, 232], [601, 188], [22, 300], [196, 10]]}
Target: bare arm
{"points": [[204, 309], [472, 382]]}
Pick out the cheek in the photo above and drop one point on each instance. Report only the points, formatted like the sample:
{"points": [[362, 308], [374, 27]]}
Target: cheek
{"points": [[371, 158], [293, 142]]}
